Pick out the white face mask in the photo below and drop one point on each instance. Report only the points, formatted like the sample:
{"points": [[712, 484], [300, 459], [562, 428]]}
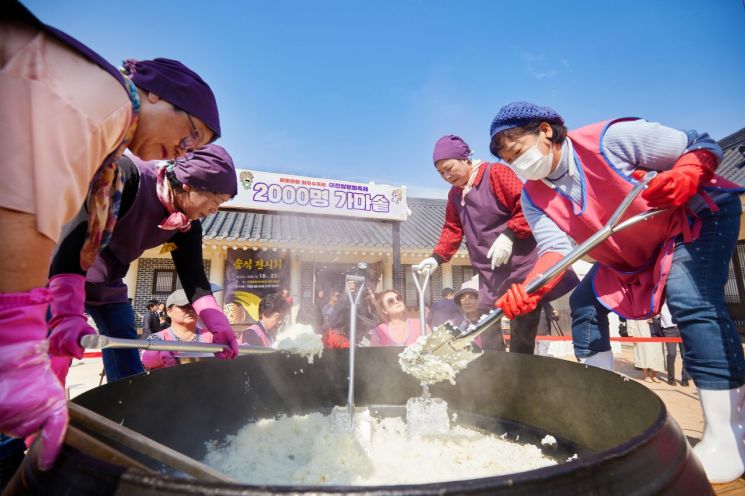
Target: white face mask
{"points": [[532, 164]]}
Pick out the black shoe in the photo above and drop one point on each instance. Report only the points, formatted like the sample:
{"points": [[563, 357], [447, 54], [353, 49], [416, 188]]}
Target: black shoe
{"points": [[671, 382], [684, 383]]}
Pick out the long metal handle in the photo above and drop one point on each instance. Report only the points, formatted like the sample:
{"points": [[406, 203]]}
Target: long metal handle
{"points": [[354, 298], [493, 318], [101, 342], [421, 287]]}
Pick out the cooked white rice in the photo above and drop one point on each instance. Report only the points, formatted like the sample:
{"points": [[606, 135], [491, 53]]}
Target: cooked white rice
{"points": [[300, 339], [430, 368], [305, 450]]}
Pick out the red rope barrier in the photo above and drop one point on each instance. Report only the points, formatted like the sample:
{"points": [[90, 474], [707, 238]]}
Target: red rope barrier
{"points": [[613, 338]]}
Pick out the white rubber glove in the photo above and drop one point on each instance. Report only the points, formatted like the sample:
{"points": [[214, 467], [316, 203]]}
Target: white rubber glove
{"points": [[500, 251], [427, 262]]}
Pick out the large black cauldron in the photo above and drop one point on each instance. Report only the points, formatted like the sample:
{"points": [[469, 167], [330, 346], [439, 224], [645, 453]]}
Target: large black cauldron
{"points": [[627, 442]]}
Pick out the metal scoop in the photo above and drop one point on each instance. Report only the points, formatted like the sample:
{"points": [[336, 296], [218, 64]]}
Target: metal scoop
{"points": [[456, 341]]}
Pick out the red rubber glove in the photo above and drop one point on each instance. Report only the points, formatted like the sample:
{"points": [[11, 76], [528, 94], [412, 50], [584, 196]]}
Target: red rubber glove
{"points": [[516, 301], [676, 186], [216, 321], [68, 323], [32, 400]]}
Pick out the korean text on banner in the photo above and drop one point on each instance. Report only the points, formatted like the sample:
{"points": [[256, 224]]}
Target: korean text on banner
{"points": [[283, 192]]}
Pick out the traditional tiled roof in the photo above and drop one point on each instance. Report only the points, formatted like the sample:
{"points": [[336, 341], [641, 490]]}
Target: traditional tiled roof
{"points": [[420, 232], [733, 164]]}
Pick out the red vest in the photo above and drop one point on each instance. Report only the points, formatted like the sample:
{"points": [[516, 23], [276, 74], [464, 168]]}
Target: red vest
{"points": [[633, 264]]}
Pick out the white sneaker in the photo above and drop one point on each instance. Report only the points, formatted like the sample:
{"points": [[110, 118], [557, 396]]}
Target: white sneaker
{"points": [[601, 359], [722, 448]]}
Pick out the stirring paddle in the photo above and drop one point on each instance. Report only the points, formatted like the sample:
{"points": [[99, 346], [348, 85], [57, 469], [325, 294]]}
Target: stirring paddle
{"points": [[142, 444]]}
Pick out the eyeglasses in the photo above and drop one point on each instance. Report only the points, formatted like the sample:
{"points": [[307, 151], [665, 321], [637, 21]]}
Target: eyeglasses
{"points": [[394, 299], [190, 143], [469, 297]]}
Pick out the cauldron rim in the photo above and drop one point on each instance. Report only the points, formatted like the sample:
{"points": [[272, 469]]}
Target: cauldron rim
{"points": [[586, 463]]}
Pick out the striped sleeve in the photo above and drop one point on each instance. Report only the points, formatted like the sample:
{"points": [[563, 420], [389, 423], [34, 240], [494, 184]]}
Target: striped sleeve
{"points": [[547, 234]]}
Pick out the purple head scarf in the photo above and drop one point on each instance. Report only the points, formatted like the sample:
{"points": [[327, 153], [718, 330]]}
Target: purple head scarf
{"points": [[211, 169], [178, 85], [451, 146]]}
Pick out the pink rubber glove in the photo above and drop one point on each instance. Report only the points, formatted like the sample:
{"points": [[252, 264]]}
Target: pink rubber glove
{"points": [[216, 321], [158, 359], [68, 323], [31, 398]]}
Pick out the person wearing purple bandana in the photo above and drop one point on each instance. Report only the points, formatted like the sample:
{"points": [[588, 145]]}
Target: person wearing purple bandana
{"points": [[162, 202], [484, 208], [66, 116]]}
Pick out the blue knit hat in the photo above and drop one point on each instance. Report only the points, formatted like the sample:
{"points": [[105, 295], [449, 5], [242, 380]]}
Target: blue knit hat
{"points": [[518, 114]]}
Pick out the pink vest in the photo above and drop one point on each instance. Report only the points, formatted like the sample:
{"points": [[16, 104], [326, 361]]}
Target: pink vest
{"points": [[258, 330], [202, 335], [381, 336], [633, 264]]}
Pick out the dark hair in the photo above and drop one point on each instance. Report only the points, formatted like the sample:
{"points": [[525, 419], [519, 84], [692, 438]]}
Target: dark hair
{"points": [[446, 292], [273, 303], [559, 134], [379, 302], [308, 315]]}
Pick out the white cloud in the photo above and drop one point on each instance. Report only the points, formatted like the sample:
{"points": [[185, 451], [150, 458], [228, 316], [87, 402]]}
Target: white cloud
{"points": [[538, 68]]}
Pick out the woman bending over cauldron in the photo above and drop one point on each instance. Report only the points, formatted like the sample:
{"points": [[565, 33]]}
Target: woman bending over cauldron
{"points": [[183, 328], [575, 181], [162, 203], [66, 115], [398, 329]]}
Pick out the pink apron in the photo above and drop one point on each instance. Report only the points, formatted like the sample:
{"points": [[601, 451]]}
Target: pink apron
{"points": [[633, 265], [258, 330]]}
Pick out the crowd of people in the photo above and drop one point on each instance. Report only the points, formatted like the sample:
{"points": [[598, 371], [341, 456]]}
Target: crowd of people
{"points": [[72, 196]]}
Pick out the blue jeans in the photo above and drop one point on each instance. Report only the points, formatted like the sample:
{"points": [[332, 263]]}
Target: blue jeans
{"points": [[695, 295], [117, 320]]}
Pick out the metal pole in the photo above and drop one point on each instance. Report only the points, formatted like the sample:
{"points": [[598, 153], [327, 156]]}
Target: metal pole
{"points": [[353, 300], [421, 287], [398, 273]]}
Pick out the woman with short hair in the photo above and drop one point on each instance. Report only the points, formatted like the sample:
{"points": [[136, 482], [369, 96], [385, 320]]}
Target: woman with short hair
{"points": [[273, 308], [183, 328]]}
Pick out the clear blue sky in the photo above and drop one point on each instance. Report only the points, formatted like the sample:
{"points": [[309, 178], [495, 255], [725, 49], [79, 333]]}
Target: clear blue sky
{"points": [[360, 90]]}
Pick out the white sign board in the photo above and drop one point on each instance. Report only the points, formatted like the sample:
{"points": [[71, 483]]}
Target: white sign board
{"points": [[288, 193]]}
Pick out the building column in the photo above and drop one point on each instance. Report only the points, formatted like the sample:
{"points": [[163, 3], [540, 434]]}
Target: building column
{"points": [[296, 278], [447, 276], [387, 273], [217, 273], [131, 279]]}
